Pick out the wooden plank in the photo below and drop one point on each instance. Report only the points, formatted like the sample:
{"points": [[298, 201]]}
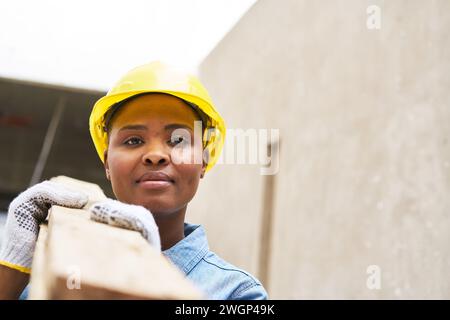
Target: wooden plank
{"points": [[83, 259], [38, 289]]}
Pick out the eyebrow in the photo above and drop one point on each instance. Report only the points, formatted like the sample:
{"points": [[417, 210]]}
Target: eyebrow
{"points": [[177, 126], [144, 128], [134, 127]]}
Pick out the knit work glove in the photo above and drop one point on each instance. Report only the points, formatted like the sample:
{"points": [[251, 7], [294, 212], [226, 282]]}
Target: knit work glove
{"points": [[26, 212], [127, 216]]}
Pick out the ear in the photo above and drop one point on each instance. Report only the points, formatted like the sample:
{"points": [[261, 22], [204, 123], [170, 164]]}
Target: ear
{"points": [[202, 173], [205, 163], [105, 157]]}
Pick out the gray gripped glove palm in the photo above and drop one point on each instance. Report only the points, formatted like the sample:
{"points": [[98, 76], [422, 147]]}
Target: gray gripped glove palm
{"points": [[127, 216], [25, 213]]}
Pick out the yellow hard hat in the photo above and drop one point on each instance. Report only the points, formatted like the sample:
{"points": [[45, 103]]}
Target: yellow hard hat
{"points": [[161, 78]]}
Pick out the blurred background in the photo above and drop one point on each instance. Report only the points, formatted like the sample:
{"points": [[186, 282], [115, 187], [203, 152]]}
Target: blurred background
{"points": [[359, 89]]}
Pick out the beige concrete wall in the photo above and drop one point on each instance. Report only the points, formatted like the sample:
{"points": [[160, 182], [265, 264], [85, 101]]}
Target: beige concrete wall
{"points": [[364, 118]]}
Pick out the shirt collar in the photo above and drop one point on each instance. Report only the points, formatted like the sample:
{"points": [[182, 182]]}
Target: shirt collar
{"points": [[190, 250]]}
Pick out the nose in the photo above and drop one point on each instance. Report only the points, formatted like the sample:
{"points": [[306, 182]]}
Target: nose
{"points": [[155, 156]]}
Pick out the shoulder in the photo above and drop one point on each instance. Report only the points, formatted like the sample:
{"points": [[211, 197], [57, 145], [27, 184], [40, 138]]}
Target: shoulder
{"points": [[222, 280]]}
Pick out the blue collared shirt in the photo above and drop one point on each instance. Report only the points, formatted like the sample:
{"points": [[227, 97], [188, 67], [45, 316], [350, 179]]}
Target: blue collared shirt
{"points": [[216, 278]]}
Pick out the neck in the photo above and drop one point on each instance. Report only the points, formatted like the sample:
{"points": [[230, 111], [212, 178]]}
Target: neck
{"points": [[171, 228]]}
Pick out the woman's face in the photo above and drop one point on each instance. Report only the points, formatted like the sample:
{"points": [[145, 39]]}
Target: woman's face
{"points": [[149, 137]]}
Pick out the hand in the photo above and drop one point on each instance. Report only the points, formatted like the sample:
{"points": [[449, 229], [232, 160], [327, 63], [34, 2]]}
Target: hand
{"points": [[25, 213], [127, 216]]}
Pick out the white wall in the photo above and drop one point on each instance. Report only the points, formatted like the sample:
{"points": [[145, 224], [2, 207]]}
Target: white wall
{"points": [[365, 161]]}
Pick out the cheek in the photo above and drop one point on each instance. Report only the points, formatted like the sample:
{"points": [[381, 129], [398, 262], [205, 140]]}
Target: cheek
{"points": [[189, 175], [188, 163], [186, 156], [120, 167]]}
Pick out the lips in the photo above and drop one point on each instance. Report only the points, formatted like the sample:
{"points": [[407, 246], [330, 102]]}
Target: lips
{"points": [[155, 180]]}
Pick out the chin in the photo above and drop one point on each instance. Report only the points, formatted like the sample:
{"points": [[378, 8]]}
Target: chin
{"points": [[158, 207]]}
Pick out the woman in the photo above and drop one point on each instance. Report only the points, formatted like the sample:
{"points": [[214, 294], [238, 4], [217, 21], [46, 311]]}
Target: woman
{"points": [[157, 133]]}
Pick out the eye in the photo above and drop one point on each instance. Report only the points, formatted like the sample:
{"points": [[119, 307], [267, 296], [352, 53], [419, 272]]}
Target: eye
{"points": [[133, 141], [175, 140]]}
